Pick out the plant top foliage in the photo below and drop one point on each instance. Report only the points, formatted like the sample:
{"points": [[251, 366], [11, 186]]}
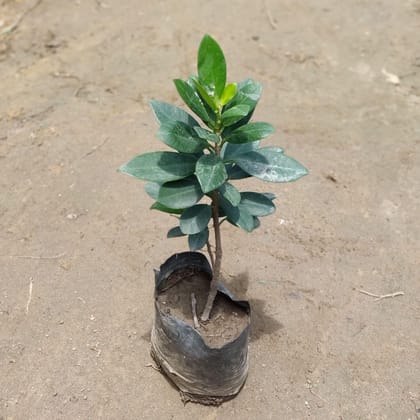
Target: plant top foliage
{"points": [[211, 150]]}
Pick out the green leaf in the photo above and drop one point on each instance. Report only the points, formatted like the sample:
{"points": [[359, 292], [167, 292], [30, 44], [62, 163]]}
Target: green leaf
{"points": [[211, 65], [257, 204], [270, 196], [230, 193], [271, 164], [180, 136], [204, 95], [180, 194], [152, 189], [207, 135], [230, 150], [198, 240], [237, 216], [257, 222], [228, 93], [234, 114], [235, 172], [247, 93], [164, 209], [175, 232], [250, 132], [210, 112], [166, 113], [211, 172], [222, 214], [160, 166], [192, 99], [195, 219]]}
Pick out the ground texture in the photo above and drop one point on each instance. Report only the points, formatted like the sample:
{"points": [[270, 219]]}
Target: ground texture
{"points": [[78, 244]]}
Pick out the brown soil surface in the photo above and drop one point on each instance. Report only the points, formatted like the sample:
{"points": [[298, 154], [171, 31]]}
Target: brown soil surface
{"points": [[78, 243], [227, 320]]}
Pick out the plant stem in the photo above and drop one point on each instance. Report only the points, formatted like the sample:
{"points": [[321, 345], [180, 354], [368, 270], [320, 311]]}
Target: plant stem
{"points": [[217, 263], [210, 254], [218, 260]]}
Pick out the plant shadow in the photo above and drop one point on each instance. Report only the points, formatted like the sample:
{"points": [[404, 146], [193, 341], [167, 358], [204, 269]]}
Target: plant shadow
{"points": [[238, 285], [261, 322], [147, 336]]}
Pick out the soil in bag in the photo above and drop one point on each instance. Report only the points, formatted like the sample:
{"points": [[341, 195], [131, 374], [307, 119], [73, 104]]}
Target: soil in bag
{"points": [[227, 320]]}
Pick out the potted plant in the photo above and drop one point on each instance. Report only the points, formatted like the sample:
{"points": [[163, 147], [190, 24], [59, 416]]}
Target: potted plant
{"points": [[200, 333]]}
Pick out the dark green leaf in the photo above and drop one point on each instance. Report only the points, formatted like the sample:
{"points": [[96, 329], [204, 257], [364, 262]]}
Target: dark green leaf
{"points": [[180, 194], [211, 172], [195, 219], [247, 93], [211, 66], [257, 222], [164, 209], [192, 99], [234, 114], [204, 95], [228, 93], [152, 190], [228, 130], [250, 132], [270, 196], [210, 112], [207, 135], [235, 172], [257, 204], [271, 164], [166, 112], [230, 193], [198, 240], [181, 137], [160, 166], [175, 232], [237, 216], [230, 150], [221, 213]]}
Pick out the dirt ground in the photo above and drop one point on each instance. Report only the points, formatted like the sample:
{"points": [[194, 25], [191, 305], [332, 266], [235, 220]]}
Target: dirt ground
{"points": [[78, 244]]}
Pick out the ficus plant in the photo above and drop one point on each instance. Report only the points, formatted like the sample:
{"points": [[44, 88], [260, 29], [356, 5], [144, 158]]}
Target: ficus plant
{"points": [[211, 150]]}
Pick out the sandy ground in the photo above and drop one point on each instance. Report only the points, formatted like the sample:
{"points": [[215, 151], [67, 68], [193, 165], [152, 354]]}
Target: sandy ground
{"points": [[78, 243]]}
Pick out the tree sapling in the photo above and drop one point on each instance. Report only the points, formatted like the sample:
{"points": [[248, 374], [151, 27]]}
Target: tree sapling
{"points": [[195, 181]]}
